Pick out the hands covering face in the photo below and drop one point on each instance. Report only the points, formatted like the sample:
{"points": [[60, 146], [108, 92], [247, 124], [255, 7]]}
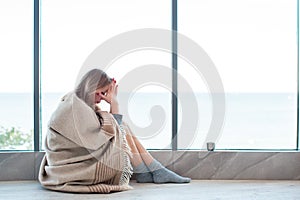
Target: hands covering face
{"points": [[108, 93], [111, 94]]}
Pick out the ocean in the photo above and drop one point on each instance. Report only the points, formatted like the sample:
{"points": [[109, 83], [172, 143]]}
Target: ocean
{"points": [[252, 120]]}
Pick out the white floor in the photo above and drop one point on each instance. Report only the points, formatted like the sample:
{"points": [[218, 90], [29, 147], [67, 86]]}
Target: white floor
{"points": [[198, 189]]}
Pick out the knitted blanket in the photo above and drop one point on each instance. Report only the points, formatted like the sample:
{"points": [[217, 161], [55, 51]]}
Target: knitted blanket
{"points": [[80, 155]]}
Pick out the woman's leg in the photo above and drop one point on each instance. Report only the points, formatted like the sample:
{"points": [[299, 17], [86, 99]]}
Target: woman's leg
{"points": [[160, 173], [143, 174], [145, 155], [140, 154], [136, 157]]}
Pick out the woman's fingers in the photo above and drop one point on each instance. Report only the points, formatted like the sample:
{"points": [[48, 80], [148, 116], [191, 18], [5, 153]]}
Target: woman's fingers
{"points": [[116, 90], [106, 98], [113, 88], [111, 92], [110, 88]]}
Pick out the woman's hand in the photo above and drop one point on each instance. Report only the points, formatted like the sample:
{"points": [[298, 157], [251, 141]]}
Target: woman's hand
{"points": [[111, 97]]}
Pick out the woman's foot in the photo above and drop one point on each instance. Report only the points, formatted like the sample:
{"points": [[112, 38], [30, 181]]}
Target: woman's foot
{"points": [[164, 175], [143, 174], [144, 178]]}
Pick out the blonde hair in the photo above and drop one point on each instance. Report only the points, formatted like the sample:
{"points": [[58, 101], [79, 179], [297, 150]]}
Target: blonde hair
{"points": [[89, 83]]}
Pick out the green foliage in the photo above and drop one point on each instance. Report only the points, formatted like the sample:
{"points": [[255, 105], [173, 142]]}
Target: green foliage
{"points": [[14, 139]]}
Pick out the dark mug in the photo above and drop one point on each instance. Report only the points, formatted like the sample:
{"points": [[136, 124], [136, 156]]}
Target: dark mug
{"points": [[210, 146]]}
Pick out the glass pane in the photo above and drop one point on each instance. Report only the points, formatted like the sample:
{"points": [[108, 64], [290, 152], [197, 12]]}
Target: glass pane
{"points": [[16, 75], [253, 44], [68, 38]]}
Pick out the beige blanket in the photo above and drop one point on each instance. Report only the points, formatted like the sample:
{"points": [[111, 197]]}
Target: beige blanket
{"points": [[81, 156]]}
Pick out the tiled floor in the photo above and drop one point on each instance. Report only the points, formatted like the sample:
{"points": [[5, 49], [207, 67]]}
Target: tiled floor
{"points": [[204, 190]]}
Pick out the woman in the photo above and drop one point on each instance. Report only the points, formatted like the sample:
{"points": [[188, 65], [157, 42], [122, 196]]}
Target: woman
{"points": [[89, 150]]}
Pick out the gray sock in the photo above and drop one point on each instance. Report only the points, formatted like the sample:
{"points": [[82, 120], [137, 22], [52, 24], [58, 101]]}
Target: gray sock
{"points": [[143, 174], [163, 175]]}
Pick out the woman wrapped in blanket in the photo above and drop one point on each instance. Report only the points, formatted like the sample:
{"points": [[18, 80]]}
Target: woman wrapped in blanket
{"points": [[89, 150]]}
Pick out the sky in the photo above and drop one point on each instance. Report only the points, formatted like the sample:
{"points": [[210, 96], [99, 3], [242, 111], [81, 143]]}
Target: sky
{"points": [[253, 43]]}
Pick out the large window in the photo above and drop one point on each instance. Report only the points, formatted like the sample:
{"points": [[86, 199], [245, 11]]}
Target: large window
{"points": [[71, 30], [16, 75], [253, 45]]}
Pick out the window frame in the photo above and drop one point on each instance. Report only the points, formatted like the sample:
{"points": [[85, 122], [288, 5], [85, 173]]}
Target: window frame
{"points": [[174, 17]]}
